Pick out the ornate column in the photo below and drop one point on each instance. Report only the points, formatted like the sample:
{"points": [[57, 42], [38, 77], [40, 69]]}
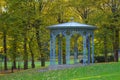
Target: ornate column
{"points": [[88, 48], [52, 49], [75, 50], [84, 49], [68, 49], [59, 50], [92, 47]]}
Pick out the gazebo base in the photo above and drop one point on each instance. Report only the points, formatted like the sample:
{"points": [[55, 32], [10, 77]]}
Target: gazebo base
{"points": [[64, 66]]}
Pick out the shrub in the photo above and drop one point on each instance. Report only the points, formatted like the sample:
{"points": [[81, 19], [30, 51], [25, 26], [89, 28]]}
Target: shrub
{"points": [[102, 58]]}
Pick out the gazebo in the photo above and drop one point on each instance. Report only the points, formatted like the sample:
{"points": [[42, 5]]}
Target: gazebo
{"points": [[68, 30]]}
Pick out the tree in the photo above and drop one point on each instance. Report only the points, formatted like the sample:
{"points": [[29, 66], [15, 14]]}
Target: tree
{"points": [[111, 9], [4, 29], [23, 23], [38, 8]]}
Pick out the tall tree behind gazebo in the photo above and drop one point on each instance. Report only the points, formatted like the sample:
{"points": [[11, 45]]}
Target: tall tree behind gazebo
{"points": [[112, 12], [61, 13]]}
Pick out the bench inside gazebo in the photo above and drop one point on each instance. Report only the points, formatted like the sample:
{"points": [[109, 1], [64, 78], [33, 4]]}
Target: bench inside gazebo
{"points": [[67, 30]]}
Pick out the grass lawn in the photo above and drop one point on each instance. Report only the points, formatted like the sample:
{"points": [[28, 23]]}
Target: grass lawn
{"points": [[105, 71], [9, 64], [37, 64]]}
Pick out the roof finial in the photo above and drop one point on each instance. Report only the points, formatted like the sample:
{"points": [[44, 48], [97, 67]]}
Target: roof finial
{"points": [[72, 19]]}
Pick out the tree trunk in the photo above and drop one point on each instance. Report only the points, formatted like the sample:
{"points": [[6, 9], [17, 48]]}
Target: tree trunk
{"points": [[5, 50], [14, 64], [105, 48], [113, 43], [64, 51], [32, 55], [64, 58], [33, 62], [14, 53], [39, 44], [116, 45], [42, 60], [25, 52]]}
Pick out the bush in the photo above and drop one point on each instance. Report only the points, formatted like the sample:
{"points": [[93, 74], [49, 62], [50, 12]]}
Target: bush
{"points": [[102, 58]]}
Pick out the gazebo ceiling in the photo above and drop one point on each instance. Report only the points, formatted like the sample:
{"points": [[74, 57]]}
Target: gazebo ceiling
{"points": [[70, 25]]}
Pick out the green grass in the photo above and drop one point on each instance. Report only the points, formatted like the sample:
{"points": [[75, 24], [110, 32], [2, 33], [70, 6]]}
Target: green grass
{"points": [[37, 64], [9, 64], [108, 71]]}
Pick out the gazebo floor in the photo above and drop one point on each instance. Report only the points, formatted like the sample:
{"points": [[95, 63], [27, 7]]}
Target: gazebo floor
{"points": [[64, 66]]}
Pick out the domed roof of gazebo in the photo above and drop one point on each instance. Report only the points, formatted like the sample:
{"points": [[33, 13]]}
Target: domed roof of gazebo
{"points": [[70, 25]]}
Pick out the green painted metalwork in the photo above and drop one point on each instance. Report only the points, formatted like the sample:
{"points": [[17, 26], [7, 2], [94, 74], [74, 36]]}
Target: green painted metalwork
{"points": [[67, 30]]}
